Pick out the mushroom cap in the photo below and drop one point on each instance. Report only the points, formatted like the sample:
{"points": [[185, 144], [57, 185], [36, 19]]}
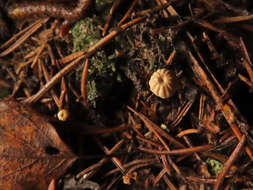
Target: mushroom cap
{"points": [[163, 83], [63, 114]]}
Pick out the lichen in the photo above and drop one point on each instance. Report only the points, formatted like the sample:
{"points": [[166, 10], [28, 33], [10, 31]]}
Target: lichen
{"points": [[85, 33], [92, 93], [101, 65], [214, 165]]}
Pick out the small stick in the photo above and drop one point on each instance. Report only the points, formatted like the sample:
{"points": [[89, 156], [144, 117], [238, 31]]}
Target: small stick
{"points": [[247, 64], [170, 59], [27, 34], [51, 186], [187, 132], [116, 161], [102, 161], [128, 12], [166, 164], [233, 19], [245, 80], [129, 164], [109, 17], [71, 57], [183, 111], [178, 151], [159, 176], [169, 183], [10, 41], [188, 142], [83, 82], [35, 60]]}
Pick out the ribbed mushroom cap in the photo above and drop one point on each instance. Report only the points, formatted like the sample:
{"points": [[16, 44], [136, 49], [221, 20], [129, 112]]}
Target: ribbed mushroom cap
{"points": [[163, 83]]}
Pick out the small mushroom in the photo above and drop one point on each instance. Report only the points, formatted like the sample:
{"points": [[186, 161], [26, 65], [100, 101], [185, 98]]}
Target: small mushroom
{"points": [[63, 115], [163, 83]]}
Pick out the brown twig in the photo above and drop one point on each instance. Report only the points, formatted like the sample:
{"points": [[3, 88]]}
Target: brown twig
{"points": [[187, 132], [128, 12], [83, 83], [132, 163], [27, 34], [102, 161], [109, 17], [247, 64], [233, 19], [156, 129], [159, 176], [179, 151]]}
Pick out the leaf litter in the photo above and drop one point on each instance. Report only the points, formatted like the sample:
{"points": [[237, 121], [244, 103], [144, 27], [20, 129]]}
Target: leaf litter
{"points": [[205, 138]]}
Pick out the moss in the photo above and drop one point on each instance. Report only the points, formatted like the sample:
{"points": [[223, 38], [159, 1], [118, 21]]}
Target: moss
{"points": [[214, 165], [92, 93], [101, 65], [85, 33]]}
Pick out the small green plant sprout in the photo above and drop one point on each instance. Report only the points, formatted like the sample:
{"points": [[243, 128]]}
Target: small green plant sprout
{"points": [[214, 165], [164, 127], [92, 93]]}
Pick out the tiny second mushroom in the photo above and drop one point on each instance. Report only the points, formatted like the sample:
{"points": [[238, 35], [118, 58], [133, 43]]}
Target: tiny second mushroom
{"points": [[63, 114], [163, 83]]}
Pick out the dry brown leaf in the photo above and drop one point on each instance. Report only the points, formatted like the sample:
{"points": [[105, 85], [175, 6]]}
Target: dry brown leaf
{"points": [[31, 152]]}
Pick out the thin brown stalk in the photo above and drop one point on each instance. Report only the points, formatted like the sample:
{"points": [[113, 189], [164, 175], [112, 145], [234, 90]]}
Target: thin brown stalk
{"points": [[169, 183], [247, 64], [31, 30], [83, 83], [109, 17], [10, 41], [233, 19], [178, 151], [166, 164], [102, 161], [132, 163], [159, 176], [187, 132], [128, 12]]}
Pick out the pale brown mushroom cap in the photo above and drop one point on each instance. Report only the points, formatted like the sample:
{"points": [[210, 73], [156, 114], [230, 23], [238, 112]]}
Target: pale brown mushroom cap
{"points": [[63, 115], [163, 83]]}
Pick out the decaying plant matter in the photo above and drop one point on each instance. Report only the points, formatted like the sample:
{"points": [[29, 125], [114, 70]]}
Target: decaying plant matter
{"points": [[93, 85]]}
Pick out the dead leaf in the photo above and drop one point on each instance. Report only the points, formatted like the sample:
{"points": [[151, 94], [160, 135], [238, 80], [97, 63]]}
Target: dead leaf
{"points": [[31, 152]]}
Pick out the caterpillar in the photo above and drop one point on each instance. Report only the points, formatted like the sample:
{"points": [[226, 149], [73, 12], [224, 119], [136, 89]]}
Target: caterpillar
{"points": [[48, 9]]}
